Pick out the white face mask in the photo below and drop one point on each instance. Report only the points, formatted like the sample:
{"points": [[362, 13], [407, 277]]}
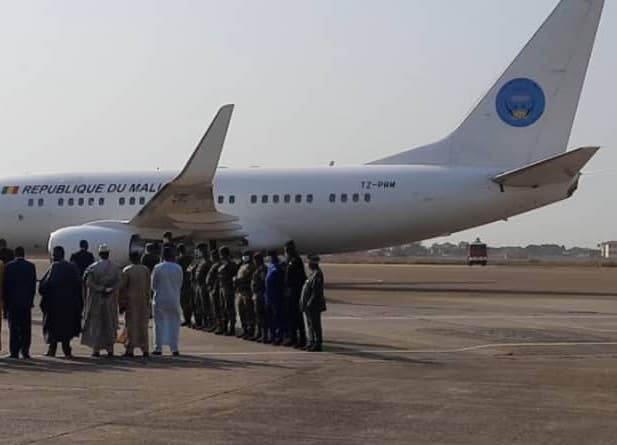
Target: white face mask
{"points": [[246, 259]]}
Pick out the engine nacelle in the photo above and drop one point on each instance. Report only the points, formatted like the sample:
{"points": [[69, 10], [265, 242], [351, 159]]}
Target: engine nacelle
{"points": [[120, 239]]}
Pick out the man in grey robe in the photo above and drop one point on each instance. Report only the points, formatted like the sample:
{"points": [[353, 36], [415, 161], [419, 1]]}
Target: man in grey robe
{"points": [[101, 309], [135, 304], [167, 280]]}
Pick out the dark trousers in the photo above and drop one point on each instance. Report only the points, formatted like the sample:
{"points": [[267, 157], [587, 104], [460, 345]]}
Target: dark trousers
{"points": [[313, 322], [20, 328], [66, 346], [297, 332], [275, 321]]}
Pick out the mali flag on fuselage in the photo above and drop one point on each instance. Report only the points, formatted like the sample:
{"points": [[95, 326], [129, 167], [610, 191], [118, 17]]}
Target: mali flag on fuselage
{"points": [[10, 190]]}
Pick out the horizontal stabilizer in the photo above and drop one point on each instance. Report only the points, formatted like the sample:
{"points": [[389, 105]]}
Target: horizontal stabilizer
{"points": [[556, 170]]}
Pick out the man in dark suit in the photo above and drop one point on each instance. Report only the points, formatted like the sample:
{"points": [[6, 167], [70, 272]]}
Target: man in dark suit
{"points": [[19, 290], [82, 258]]}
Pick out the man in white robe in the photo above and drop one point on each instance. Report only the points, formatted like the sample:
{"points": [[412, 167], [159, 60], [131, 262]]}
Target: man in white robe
{"points": [[166, 283]]}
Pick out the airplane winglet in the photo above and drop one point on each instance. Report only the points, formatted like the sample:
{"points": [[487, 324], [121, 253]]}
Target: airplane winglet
{"points": [[555, 170], [204, 161]]}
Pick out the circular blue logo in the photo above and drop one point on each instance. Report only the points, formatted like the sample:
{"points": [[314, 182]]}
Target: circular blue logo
{"points": [[521, 102]]}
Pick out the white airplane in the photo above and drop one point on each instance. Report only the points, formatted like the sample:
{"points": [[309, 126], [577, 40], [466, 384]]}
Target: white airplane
{"points": [[506, 158]]}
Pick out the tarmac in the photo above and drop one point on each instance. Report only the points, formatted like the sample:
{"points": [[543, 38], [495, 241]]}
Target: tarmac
{"points": [[413, 355]]}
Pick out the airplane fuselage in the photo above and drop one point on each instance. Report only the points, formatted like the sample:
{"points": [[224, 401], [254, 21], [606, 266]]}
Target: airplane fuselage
{"points": [[325, 210]]}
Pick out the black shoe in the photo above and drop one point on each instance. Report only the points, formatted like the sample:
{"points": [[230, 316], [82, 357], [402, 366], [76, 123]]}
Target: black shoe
{"points": [[158, 352], [176, 353], [15, 356], [185, 324], [230, 333], [110, 354], [50, 353], [96, 354], [26, 356], [145, 354], [128, 354]]}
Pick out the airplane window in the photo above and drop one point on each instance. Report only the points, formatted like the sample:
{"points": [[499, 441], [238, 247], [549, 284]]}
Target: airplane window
{"points": [[132, 201], [344, 197], [81, 202], [90, 202], [142, 200], [61, 202], [41, 202], [71, 202], [101, 201], [287, 199], [221, 199], [332, 197], [298, 199], [253, 199], [356, 197], [232, 199], [264, 199], [309, 198], [122, 201], [275, 199], [367, 197], [31, 203]]}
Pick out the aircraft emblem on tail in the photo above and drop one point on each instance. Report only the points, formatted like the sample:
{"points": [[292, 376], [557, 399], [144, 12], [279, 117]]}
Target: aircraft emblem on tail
{"points": [[521, 102]]}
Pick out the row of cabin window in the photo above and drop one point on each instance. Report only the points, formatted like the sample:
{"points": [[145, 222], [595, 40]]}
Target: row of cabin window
{"points": [[81, 202], [276, 199]]}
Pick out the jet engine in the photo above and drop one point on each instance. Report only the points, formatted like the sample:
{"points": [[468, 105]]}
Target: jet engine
{"points": [[119, 237]]}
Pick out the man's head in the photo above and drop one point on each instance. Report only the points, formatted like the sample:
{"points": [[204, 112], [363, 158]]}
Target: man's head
{"points": [[202, 250], [181, 249], [224, 252], [273, 256], [168, 254], [214, 255], [290, 248], [247, 256], [167, 237], [313, 262], [20, 252], [149, 248], [2, 243], [57, 253], [258, 259], [104, 251], [135, 257], [83, 244]]}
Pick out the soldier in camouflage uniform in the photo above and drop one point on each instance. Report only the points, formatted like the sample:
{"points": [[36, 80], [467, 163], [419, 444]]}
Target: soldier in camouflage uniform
{"points": [[258, 289], [212, 283], [187, 295], [226, 273], [244, 300], [202, 298], [198, 301]]}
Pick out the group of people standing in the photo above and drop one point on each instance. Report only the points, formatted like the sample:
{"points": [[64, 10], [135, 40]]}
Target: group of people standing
{"points": [[83, 297], [272, 300]]}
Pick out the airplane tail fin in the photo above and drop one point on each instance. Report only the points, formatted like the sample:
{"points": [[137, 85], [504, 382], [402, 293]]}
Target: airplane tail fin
{"points": [[528, 113]]}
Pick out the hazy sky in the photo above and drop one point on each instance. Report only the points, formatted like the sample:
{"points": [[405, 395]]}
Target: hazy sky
{"points": [[132, 85]]}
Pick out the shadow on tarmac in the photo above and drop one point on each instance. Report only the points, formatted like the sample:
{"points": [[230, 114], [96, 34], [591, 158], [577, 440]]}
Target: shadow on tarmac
{"points": [[359, 350], [118, 363]]}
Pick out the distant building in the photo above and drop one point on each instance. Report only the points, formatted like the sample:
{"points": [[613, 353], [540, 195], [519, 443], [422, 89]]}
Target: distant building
{"points": [[608, 250]]}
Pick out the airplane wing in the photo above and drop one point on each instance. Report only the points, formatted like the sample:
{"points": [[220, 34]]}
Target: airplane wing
{"points": [[187, 202], [555, 170]]}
